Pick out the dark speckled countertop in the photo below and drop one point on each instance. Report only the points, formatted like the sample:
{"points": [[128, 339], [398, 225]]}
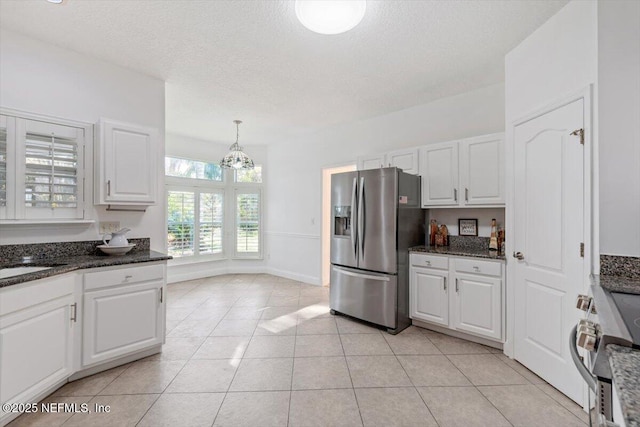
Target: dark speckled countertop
{"points": [[625, 367], [63, 257], [459, 251]]}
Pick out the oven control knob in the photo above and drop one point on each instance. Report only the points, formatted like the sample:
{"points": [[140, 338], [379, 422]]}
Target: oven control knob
{"points": [[587, 340], [583, 302]]}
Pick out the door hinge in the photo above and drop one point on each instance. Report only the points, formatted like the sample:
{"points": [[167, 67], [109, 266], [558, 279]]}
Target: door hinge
{"points": [[579, 133], [581, 250]]}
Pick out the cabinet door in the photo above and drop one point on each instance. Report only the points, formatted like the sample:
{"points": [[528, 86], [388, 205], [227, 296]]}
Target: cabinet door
{"points": [[407, 160], [428, 295], [478, 305], [482, 170], [129, 163], [439, 171], [122, 320], [371, 162], [37, 349]]}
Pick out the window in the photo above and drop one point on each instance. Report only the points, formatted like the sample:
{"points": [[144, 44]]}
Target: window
{"points": [[184, 168], [198, 216], [253, 176], [41, 169], [247, 223]]}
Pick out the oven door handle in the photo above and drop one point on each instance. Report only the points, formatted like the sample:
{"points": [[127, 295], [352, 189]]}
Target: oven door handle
{"points": [[582, 369]]}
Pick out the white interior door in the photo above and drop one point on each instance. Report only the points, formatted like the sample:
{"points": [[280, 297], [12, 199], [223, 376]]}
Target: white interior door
{"points": [[548, 216]]}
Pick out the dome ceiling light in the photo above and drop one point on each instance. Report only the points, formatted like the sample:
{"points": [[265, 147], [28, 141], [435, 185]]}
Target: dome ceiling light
{"points": [[330, 16]]}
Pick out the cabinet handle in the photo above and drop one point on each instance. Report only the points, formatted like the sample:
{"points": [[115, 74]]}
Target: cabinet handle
{"points": [[74, 311], [466, 194], [444, 284], [109, 188], [455, 194], [161, 294], [427, 262], [457, 285]]}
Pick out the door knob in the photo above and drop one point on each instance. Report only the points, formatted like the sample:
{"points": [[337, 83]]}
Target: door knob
{"points": [[518, 255]]}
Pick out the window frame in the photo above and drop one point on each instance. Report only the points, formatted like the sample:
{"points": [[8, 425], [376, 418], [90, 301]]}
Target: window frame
{"points": [[251, 189]]}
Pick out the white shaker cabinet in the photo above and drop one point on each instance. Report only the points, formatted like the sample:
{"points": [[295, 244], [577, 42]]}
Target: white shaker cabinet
{"points": [[478, 305], [126, 164], [463, 173], [462, 294], [405, 159], [482, 170], [429, 295], [371, 162], [38, 322], [439, 171], [124, 312]]}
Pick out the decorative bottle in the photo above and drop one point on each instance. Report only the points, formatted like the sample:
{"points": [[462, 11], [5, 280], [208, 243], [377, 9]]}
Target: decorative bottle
{"points": [[493, 241]]}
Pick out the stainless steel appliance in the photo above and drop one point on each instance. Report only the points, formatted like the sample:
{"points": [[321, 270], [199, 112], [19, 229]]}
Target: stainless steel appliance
{"points": [[612, 318], [376, 217]]}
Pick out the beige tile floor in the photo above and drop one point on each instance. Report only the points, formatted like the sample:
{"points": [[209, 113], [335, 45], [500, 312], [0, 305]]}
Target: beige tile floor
{"points": [[258, 350]]}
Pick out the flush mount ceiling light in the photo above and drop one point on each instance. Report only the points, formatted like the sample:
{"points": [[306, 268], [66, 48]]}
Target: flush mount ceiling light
{"points": [[330, 16], [236, 159], [55, 1]]}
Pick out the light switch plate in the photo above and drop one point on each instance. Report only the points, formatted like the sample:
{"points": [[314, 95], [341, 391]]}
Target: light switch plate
{"points": [[108, 226]]}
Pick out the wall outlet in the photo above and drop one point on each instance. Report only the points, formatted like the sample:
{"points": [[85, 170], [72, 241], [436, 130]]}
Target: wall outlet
{"points": [[106, 227]]}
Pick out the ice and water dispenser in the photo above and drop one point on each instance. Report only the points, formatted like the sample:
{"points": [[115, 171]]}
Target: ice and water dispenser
{"points": [[342, 220]]}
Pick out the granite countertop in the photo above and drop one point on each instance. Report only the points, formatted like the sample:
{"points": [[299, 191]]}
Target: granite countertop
{"points": [[625, 367], [613, 283], [459, 251], [60, 265]]}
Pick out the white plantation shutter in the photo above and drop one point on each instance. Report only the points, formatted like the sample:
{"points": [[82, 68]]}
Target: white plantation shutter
{"points": [[3, 164], [210, 223], [181, 223], [51, 170], [248, 223]]}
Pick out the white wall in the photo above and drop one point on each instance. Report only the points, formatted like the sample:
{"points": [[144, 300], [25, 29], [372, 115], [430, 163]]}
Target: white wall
{"points": [[295, 168], [41, 78], [619, 126], [209, 151]]}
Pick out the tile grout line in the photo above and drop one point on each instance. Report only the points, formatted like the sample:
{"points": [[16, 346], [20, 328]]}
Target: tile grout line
{"points": [[412, 383], [348, 371], [293, 364]]}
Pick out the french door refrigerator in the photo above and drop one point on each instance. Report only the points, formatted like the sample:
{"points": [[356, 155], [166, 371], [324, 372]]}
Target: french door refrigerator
{"points": [[376, 217]]}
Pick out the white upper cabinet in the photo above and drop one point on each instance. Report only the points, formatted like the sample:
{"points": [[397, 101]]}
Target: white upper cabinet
{"points": [[469, 172], [371, 162], [482, 170], [125, 164], [439, 171], [406, 159]]}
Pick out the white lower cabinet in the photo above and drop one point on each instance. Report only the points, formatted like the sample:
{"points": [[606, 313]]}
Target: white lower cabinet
{"points": [[478, 305], [123, 312], [37, 327], [451, 296], [429, 297], [54, 327]]}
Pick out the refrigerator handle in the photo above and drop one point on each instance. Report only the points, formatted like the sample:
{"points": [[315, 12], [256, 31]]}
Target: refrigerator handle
{"points": [[354, 240], [361, 275], [361, 218]]}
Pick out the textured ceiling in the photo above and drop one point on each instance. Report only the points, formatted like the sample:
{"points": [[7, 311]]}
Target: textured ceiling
{"points": [[253, 60]]}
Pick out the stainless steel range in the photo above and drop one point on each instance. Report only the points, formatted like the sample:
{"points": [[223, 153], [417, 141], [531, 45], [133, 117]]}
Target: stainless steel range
{"points": [[611, 318]]}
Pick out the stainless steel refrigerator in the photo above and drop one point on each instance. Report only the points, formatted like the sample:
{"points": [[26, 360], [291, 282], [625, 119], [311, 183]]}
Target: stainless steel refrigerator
{"points": [[376, 217]]}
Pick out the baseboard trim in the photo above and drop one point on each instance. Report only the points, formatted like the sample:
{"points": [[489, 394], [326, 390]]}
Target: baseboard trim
{"points": [[311, 280], [461, 335]]}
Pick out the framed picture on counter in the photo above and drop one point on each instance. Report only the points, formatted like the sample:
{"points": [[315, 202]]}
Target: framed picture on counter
{"points": [[468, 227]]}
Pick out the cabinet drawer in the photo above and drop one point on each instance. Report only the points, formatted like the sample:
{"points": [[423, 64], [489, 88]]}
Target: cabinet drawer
{"points": [[431, 261], [478, 267], [122, 276]]}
